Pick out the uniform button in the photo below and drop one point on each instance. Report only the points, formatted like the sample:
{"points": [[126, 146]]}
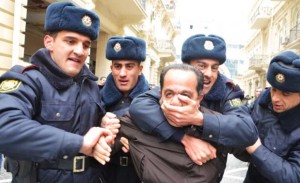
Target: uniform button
{"points": [[57, 115], [122, 102], [210, 136], [274, 148], [65, 157]]}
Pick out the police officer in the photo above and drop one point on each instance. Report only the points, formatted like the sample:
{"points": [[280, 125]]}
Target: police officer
{"points": [[275, 157], [232, 128], [123, 84], [49, 110]]}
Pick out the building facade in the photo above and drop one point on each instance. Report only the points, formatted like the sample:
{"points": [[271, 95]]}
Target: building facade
{"points": [[277, 28], [22, 31]]}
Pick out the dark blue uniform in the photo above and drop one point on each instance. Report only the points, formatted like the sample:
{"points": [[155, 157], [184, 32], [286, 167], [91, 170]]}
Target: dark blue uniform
{"points": [[234, 128], [43, 116], [278, 158], [120, 169]]}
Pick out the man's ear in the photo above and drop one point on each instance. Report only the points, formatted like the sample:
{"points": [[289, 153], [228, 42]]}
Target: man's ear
{"points": [[48, 42], [160, 100], [200, 97], [141, 69]]}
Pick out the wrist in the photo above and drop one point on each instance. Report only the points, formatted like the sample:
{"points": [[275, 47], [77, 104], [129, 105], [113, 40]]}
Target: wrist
{"points": [[199, 119]]}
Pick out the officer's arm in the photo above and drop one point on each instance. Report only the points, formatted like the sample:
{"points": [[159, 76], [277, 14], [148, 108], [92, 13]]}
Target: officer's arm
{"points": [[274, 167], [233, 128], [26, 139]]}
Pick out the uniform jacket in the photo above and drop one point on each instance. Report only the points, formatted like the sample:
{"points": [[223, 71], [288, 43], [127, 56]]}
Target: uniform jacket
{"points": [[45, 117], [278, 159], [221, 129]]}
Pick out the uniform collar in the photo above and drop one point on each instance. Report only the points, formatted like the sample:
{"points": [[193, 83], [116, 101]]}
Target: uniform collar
{"points": [[111, 94], [54, 74]]}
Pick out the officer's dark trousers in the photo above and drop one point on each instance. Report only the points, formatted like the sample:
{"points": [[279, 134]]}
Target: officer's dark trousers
{"points": [[120, 169]]}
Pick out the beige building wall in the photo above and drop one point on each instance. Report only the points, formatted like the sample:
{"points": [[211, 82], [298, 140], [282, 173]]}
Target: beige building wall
{"points": [[12, 28], [277, 25]]}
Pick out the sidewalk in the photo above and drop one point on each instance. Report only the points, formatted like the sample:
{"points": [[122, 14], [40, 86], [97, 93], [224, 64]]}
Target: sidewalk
{"points": [[5, 177]]}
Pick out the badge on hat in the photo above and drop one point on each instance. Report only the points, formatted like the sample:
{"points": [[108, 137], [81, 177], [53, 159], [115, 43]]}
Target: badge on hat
{"points": [[280, 78], [86, 20], [9, 85], [235, 102], [209, 45], [117, 47]]}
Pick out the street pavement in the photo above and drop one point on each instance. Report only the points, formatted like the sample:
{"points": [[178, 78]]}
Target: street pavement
{"points": [[235, 172], [4, 176]]}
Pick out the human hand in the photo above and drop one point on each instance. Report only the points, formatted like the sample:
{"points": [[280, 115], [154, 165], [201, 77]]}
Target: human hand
{"points": [[96, 143], [187, 114], [111, 122], [125, 144], [102, 149], [198, 150], [252, 148]]}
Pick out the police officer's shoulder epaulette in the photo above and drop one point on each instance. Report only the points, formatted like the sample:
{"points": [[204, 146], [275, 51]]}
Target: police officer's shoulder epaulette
{"points": [[230, 83], [235, 96], [29, 67], [21, 69], [235, 87], [10, 84]]}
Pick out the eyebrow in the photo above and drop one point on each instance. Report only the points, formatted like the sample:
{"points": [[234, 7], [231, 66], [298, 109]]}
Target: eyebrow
{"points": [[72, 37]]}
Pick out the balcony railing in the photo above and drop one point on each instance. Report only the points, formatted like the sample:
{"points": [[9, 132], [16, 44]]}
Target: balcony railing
{"points": [[294, 33], [165, 45], [166, 50], [260, 17], [257, 62], [261, 11]]}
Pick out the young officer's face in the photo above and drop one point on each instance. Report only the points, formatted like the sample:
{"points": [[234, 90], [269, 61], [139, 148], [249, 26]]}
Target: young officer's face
{"points": [[284, 101], [126, 74], [176, 83], [209, 69], [68, 50]]}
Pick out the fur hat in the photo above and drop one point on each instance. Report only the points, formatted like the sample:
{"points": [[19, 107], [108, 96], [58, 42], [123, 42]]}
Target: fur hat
{"points": [[67, 16], [201, 46], [126, 48], [284, 72]]}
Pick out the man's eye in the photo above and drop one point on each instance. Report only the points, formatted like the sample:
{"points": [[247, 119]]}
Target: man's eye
{"points": [[117, 66], [186, 95], [168, 95], [70, 41], [129, 66], [86, 46], [215, 69], [201, 66]]}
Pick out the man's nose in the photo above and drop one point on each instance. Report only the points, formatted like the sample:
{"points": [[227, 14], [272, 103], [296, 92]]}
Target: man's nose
{"points": [[175, 101], [79, 50], [123, 71], [207, 71]]}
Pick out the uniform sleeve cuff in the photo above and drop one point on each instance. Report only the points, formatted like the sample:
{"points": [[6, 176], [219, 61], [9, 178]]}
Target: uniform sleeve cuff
{"points": [[71, 145]]}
